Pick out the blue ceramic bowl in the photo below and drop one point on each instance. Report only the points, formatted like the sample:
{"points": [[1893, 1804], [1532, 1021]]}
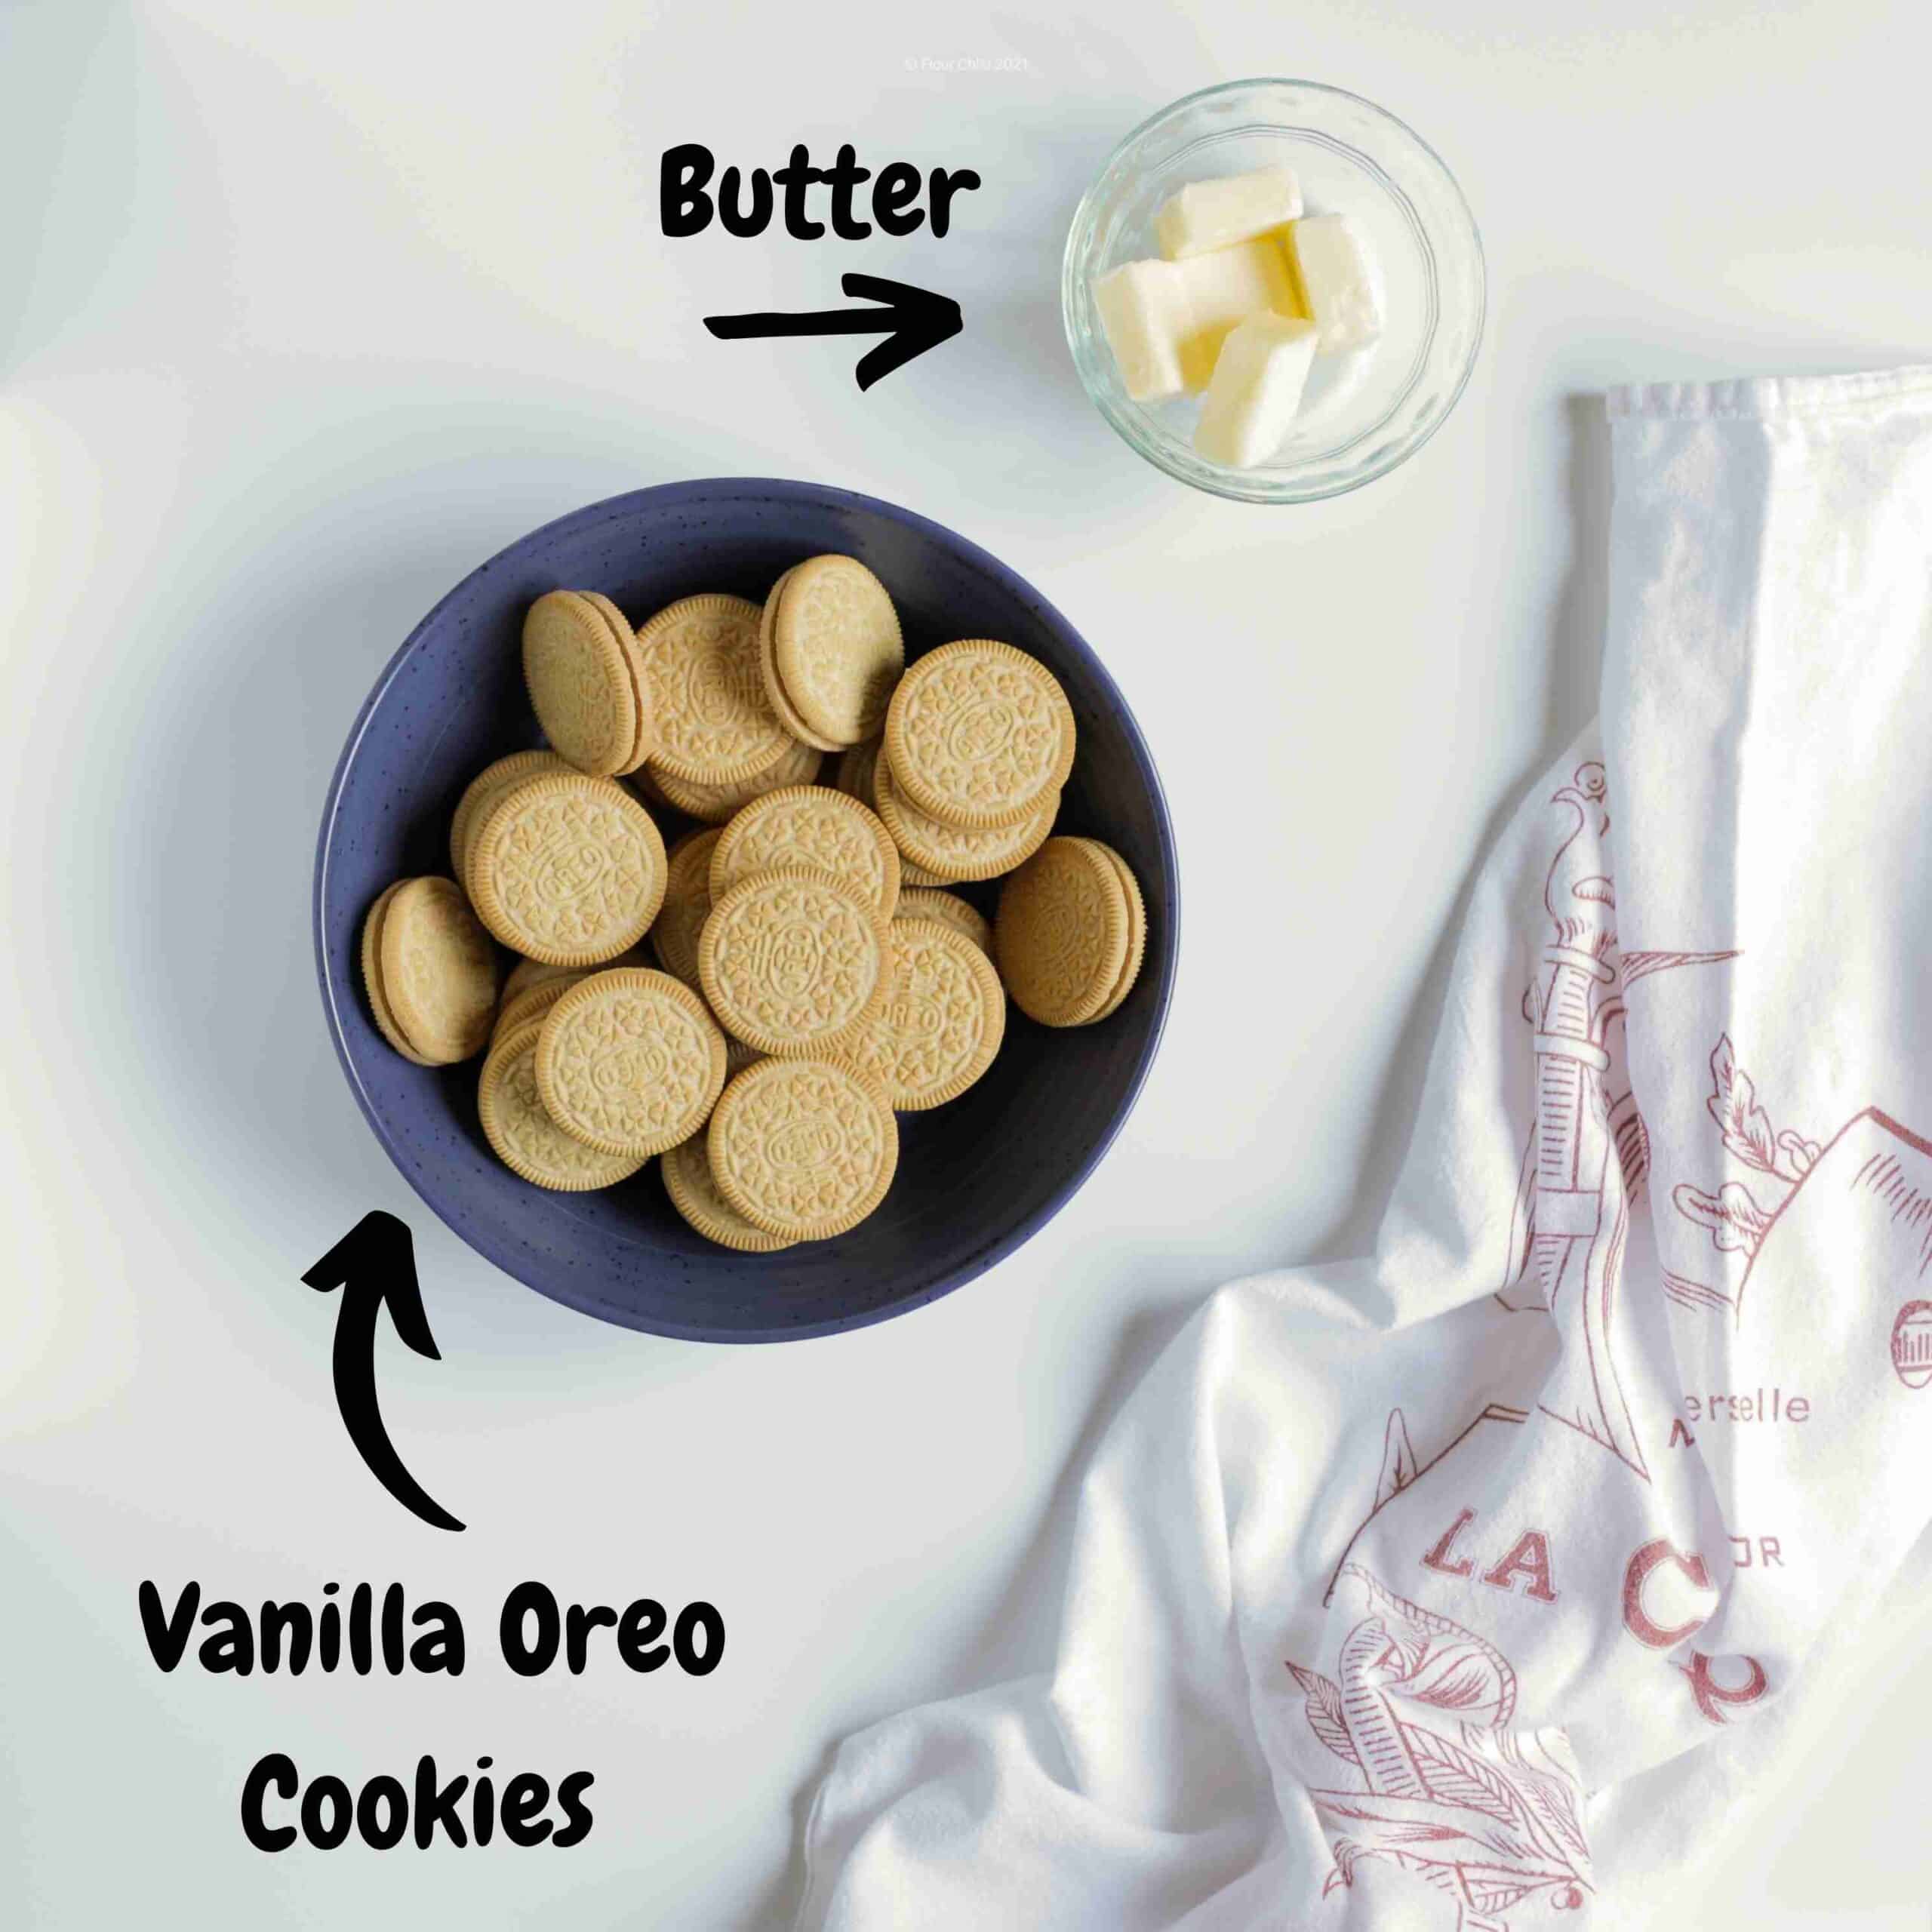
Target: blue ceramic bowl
{"points": [[976, 1177]]}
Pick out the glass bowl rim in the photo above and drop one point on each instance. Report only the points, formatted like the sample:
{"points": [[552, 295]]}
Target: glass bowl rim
{"points": [[1129, 423]]}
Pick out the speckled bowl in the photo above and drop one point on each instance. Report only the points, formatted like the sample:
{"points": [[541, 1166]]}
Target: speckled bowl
{"points": [[976, 1178]]}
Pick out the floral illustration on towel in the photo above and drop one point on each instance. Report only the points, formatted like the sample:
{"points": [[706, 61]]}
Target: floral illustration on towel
{"points": [[1442, 1785], [1734, 1216]]}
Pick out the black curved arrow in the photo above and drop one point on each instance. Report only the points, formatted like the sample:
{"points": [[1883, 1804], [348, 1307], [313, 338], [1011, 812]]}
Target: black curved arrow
{"points": [[913, 320], [375, 1263]]}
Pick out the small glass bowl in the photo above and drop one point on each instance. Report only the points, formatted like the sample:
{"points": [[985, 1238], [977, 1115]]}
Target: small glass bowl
{"points": [[1365, 413]]}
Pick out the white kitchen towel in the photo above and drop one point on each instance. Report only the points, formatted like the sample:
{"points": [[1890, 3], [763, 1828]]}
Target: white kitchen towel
{"points": [[1466, 1585]]}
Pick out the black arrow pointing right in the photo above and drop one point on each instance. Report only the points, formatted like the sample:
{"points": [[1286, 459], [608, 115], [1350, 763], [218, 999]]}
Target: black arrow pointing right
{"points": [[912, 321]]}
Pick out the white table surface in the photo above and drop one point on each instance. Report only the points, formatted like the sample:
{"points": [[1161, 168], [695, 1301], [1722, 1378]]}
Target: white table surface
{"points": [[305, 309]]}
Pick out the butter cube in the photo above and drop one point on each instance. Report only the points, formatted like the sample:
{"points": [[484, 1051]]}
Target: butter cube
{"points": [[1143, 307], [1166, 321], [1225, 287], [1256, 389], [1340, 282], [1217, 214]]}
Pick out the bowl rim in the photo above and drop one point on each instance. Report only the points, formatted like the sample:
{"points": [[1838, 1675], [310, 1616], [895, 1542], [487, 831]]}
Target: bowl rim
{"points": [[1163, 959], [1229, 488]]}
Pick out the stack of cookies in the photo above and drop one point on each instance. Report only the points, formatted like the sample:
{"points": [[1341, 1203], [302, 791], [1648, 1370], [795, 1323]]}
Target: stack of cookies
{"points": [[814, 977]]}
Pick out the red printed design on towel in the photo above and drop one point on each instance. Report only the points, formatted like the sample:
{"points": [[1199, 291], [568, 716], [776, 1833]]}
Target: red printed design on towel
{"points": [[1712, 1697], [1864, 1201], [1911, 1344], [1442, 1785], [1398, 1460], [1401, 1472], [1587, 1156], [1735, 1216], [1662, 1554], [1698, 1297]]}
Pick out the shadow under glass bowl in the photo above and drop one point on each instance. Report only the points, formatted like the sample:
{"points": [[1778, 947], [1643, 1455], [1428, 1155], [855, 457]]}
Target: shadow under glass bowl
{"points": [[976, 1177], [1364, 414]]}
